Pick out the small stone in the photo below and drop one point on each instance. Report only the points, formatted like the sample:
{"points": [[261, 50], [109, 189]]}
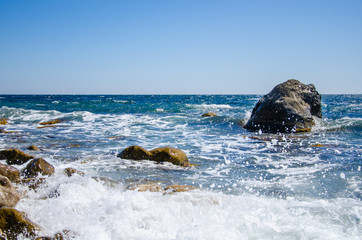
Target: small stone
{"points": [[71, 171], [317, 145], [33, 148], [55, 121], [209, 114], [3, 121]]}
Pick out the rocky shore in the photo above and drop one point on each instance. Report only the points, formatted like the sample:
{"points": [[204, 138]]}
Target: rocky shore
{"points": [[289, 108]]}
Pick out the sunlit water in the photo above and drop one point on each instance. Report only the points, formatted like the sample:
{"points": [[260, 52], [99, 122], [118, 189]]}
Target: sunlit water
{"points": [[252, 185]]}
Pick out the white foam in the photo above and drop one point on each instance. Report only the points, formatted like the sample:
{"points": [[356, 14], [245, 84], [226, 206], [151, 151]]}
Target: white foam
{"points": [[95, 211]]}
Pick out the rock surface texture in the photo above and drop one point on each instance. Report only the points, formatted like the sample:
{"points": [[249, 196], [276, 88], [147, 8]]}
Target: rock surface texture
{"points": [[9, 197], [38, 166], [290, 106], [169, 154], [12, 173], [15, 156], [13, 223]]}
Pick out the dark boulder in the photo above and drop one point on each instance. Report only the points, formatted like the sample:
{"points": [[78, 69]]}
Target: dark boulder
{"points": [[135, 153], [14, 223], [15, 156], [37, 166], [290, 106], [9, 197], [12, 173]]}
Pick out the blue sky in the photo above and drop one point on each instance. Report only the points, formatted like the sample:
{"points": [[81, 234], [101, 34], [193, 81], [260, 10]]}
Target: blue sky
{"points": [[178, 46]]}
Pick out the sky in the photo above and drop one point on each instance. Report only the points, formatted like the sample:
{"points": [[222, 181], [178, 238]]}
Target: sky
{"points": [[179, 46]]}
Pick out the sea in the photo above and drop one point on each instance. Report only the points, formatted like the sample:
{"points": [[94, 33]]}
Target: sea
{"points": [[250, 185]]}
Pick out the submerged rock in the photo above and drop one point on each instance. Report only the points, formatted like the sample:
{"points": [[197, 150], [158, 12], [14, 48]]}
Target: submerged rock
{"points": [[179, 188], [51, 122], [33, 148], [3, 121], [289, 107], [210, 114], [15, 156], [33, 183], [71, 171], [12, 173], [37, 166], [14, 223], [9, 197], [156, 187]]}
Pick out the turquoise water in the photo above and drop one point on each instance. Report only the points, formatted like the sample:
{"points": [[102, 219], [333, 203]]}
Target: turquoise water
{"points": [[252, 185]]}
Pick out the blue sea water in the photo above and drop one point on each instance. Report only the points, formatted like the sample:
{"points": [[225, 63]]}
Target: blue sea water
{"points": [[251, 185]]}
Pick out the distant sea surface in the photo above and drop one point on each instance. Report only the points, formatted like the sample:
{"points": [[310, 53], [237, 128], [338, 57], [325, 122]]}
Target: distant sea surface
{"points": [[251, 185]]}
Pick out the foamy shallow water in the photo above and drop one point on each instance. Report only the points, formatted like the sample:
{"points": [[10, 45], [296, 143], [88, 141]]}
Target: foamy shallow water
{"points": [[96, 211], [252, 186]]}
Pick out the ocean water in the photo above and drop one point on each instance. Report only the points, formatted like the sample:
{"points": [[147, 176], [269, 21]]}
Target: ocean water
{"points": [[251, 185]]}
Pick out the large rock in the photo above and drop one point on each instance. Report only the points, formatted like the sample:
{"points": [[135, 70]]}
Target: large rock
{"points": [[12, 173], [15, 156], [37, 166], [135, 153], [289, 107], [14, 223], [170, 154], [164, 154], [9, 197]]}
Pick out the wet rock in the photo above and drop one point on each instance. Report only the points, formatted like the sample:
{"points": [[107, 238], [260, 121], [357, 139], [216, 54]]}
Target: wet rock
{"points": [[71, 171], [9, 197], [135, 153], [289, 106], [14, 223], [210, 114], [33, 148], [33, 183], [12, 173], [51, 122], [15, 156], [301, 130], [164, 154], [65, 234], [147, 187], [317, 145], [156, 187], [179, 188], [38, 166], [3, 121], [169, 154]]}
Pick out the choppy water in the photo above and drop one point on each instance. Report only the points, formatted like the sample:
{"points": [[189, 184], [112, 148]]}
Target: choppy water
{"points": [[253, 185]]}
